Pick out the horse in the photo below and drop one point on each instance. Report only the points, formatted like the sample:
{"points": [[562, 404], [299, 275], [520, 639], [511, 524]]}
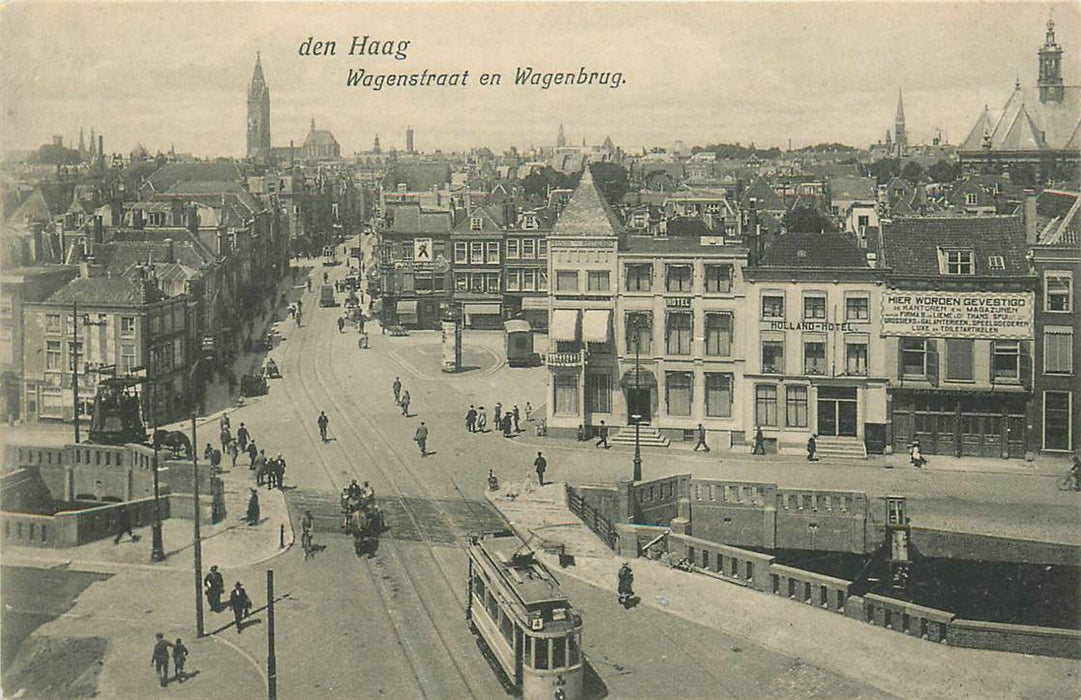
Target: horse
{"points": [[174, 440], [365, 525]]}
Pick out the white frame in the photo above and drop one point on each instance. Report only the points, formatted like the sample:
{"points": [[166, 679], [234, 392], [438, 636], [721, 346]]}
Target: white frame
{"points": [[1066, 274], [1058, 330]]}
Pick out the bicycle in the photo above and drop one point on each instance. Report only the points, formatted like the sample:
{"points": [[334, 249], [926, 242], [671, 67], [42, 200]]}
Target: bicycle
{"points": [[1069, 483], [306, 543]]}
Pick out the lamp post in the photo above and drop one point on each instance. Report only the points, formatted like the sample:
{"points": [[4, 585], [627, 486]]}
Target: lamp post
{"points": [[157, 548], [197, 540], [637, 417]]}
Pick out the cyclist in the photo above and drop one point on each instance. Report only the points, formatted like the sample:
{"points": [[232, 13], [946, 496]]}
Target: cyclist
{"points": [[307, 525], [1072, 482]]}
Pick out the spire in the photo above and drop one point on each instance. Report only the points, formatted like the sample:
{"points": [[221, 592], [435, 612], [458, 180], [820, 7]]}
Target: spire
{"points": [[313, 124], [1050, 39], [900, 106], [899, 134], [258, 81]]}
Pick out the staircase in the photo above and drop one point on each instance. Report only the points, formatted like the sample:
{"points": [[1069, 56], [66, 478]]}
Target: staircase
{"points": [[840, 448], [648, 436]]}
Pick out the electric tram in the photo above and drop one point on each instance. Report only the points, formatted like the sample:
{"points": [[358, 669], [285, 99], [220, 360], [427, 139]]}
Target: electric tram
{"points": [[516, 608]]}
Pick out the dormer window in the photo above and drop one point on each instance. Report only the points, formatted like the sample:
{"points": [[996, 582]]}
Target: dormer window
{"points": [[529, 222], [957, 261], [971, 199], [476, 223], [996, 262]]}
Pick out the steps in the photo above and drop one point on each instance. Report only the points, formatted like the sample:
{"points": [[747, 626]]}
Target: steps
{"points": [[840, 448], [648, 436]]}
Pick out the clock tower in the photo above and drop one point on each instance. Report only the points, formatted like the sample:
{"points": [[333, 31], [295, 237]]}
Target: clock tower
{"points": [[258, 116]]}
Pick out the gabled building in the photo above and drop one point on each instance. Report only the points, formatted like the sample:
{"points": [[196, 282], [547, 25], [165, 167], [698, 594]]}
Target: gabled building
{"points": [[477, 238], [415, 281]]}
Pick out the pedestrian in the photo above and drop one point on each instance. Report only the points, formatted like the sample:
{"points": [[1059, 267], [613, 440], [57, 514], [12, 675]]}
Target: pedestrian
{"points": [[812, 448], [253, 508], [214, 585], [482, 420], [215, 459], [341, 324], [279, 472], [497, 413], [759, 447], [123, 525], [626, 584], [309, 280], [241, 605], [180, 657], [300, 306], [701, 439], [405, 403], [323, 421], [916, 455], [540, 464], [242, 437], [516, 415], [602, 431], [528, 412], [422, 439], [225, 437], [231, 448], [260, 465], [159, 659], [397, 387], [223, 422], [253, 453], [207, 451], [471, 419]]}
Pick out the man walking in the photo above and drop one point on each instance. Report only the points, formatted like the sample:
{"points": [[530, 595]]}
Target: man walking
{"points": [[231, 448], [215, 586], [253, 508], [241, 605], [516, 416], [507, 420], [405, 403], [323, 422], [397, 386], [253, 454], [528, 412], [123, 525], [759, 442], [471, 419], [242, 437], [498, 414], [180, 657], [626, 584], [159, 659], [540, 464], [812, 448], [260, 468], [422, 439], [603, 432], [701, 439]]}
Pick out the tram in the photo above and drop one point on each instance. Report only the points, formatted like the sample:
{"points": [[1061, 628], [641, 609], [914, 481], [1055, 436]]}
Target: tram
{"points": [[516, 608]]}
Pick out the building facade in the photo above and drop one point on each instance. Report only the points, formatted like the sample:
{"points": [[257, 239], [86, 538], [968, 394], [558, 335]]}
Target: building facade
{"points": [[477, 239]]}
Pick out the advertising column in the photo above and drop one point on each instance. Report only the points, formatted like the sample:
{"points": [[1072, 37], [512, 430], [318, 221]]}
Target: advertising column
{"points": [[452, 340]]}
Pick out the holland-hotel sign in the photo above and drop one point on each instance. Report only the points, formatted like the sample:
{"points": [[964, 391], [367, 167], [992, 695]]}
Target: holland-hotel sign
{"points": [[1005, 316]]}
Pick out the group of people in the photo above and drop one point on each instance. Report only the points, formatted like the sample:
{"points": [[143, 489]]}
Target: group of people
{"points": [[159, 659], [239, 602], [401, 396], [506, 422]]}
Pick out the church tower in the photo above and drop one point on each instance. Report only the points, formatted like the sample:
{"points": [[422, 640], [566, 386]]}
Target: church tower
{"points": [[258, 115], [899, 126], [1050, 81], [561, 140]]}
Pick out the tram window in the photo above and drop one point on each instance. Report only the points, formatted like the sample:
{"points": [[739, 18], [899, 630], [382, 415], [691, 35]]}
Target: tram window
{"points": [[527, 652], [492, 607], [559, 652], [506, 627], [540, 648], [572, 650], [478, 587]]}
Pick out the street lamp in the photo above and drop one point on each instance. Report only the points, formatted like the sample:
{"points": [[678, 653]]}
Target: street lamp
{"points": [[197, 540], [157, 548], [637, 417]]}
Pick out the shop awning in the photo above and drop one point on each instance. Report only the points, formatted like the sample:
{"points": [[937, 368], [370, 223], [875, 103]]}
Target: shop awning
{"points": [[645, 379], [534, 303], [564, 325], [478, 309], [595, 326], [407, 311], [516, 325]]}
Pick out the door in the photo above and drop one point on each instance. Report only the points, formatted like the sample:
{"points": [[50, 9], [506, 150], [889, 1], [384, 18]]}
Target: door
{"points": [[827, 417], [638, 403], [846, 418], [837, 414]]}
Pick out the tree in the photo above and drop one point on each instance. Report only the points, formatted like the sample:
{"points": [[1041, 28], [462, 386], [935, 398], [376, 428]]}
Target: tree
{"points": [[803, 219], [1022, 174], [913, 172], [611, 180], [884, 170], [944, 171]]}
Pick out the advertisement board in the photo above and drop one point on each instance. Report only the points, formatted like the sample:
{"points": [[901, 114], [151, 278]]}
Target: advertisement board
{"points": [[422, 250], [988, 315]]}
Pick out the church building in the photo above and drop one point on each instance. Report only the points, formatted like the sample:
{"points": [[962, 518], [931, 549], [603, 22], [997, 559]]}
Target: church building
{"points": [[258, 116]]}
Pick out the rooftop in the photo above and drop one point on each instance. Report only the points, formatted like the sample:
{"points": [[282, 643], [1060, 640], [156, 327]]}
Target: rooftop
{"points": [[104, 291], [814, 250], [587, 214], [912, 246]]}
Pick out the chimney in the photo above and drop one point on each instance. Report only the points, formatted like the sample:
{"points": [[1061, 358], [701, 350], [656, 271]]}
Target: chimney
{"points": [[99, 229], [176, 212], [1029, 217], [169, 250], [193, 219]]}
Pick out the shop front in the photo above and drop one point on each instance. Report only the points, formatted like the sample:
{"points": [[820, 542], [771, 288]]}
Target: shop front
{"points": [[960, 424]]}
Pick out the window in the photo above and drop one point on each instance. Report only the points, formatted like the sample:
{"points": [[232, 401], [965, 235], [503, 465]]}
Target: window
{"points": [[814, 356], [640, 328], [512, 248], [491, 282], [773, 356], [559, 652], [566, 280], [914, 357], [765, 404], [542, 248], [461, 282], [718, 395], [76, 353], [529, 248], [52, 323], [476, 282], [996, 262], [540, 648], [959, 360], [814, 307], [971, 199], [127, 326], [959, 262], [677, 392], [773, 306], [476, 253], [718, 278], [1057, 350], [1057, 420], [529, 280], [638, 277], [514, 277], [678, 333], [1006, 360], [529, 222], [127, 358], [863, 221], [1057, 291], [678, 278], [566, 394], [476, 223], [492, 255], [52, 356], [598, 393], [856, 309], [795, 398], [597, 280], [719, 334], [856, 357]]}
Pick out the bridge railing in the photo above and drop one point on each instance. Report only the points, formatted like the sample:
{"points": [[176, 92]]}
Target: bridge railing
{"points": [[592, 517]]}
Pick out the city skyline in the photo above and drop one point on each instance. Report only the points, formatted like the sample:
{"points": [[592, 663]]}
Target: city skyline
{"points": [[752, 73]]}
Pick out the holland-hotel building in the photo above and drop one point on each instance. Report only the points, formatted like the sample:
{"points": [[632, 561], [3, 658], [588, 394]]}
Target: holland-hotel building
{"points": [[695, 327]]}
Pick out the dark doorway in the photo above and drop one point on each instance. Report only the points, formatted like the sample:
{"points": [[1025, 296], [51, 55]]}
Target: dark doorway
{"points": [[837, 414], [638, 403]]}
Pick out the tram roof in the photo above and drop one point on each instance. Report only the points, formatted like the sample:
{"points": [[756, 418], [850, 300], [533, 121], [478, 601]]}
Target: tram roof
{"points": [[528, 577]]}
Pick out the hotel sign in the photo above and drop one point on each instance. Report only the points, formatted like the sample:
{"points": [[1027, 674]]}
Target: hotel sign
{"points": [[998, 315], [677, 302]]}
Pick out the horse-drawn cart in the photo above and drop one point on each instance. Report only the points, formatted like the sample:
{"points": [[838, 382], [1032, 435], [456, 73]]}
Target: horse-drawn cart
{"points": [[362, 519]]}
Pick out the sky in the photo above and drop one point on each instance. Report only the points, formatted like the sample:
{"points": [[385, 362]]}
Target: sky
{"points": [[177, 74]]}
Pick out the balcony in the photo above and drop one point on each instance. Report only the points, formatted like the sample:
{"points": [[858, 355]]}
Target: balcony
{"points": [[567, 359]]}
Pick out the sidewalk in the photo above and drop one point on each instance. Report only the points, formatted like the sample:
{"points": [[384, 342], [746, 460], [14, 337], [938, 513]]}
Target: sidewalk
{"points": [[895, 663]]}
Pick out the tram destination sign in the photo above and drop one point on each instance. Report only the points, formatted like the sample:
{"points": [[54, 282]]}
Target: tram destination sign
{"points": [[998, 315]]}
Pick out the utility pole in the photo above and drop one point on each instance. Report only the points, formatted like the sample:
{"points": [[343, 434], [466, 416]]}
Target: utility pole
{"points": [[157, 548], [75, 370], [197, 540], [271, 661], [637, 476]]}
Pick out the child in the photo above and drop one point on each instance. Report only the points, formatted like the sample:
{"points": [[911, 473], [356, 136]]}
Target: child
{"points": [[180, 656]]}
